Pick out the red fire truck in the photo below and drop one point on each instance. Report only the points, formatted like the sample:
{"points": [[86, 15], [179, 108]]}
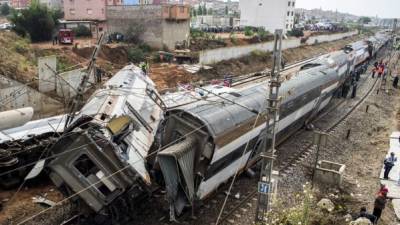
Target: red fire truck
{"points": [[65, 36]]}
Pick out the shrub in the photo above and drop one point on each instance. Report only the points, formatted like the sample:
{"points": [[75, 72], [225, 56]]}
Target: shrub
{"points": [[145, 47], [82, 31], [136, 55], [134, 32], [38, 22], [5, 10], [248, 31], [233, 38], [296, 33], [21, 46], [262, 33]]}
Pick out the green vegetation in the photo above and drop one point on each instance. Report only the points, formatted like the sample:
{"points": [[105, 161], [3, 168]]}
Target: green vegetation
{"points": [[134, 32], [262, 33], [295, 33], [233, 38], [199, 10], [248, 31], [364, 20], [139, 53], [5, 10], [202, 10], [36, 22], [196, 33], [21, 46], [82, 31]]}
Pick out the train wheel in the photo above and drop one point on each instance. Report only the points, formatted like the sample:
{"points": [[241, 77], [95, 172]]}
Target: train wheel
{"points": [[309, 126]]}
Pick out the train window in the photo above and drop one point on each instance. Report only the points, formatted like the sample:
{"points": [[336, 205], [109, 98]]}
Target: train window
{"points": [[94, 175], [309, 66], [86, 166], [235, 94]]}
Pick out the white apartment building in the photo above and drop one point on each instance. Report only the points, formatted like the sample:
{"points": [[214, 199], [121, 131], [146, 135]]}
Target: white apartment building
{"points": [[270, 14]]}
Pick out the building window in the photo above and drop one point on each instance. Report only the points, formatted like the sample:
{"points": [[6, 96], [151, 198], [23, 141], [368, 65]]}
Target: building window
{"points": [[287, 26], [89, 11], [293, 4], [288, 3], [292, 13], [181, 9], [288, 13], [102, 10], [72, 11], [166, 10]]}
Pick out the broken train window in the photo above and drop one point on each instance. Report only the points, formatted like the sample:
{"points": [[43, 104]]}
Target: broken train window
{"points": [[94, 175]]}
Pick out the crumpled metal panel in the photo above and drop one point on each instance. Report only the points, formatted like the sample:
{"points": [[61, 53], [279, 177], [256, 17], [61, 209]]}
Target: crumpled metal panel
{"points": [[174, 161]]}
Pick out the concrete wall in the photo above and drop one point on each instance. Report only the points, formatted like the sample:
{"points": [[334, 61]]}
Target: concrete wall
{"points": [[15, 95], [68, 82], [175, 32], [331, 37], [220, 54], [120, 18], [158, 31], [46, 67]]}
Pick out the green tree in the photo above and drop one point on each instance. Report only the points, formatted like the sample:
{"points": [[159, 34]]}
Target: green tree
{"points": [[194, 12], [5, 10], [226, 10], [204, 10], [248, 31], [82, 31], [364, 20], [200, 10], [38, 22]]}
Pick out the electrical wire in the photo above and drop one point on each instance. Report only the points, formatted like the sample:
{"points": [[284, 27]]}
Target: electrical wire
{"points": [[109, 176], [237, 172]]}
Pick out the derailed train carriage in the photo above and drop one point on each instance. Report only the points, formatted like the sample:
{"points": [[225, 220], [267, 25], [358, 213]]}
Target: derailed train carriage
{"points": [[123, 142]]}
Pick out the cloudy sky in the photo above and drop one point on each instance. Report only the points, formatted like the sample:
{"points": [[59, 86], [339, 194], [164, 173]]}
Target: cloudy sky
{"points": [[382, 8]]}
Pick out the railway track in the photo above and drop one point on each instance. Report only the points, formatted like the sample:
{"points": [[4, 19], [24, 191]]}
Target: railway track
{"points": [[307, 148]]}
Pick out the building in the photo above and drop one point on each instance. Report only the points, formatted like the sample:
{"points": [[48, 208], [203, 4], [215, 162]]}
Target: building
{"points": [[152, 2], [92, 12], [161, 25], [20, 4], [52, 4], [270, 14]]}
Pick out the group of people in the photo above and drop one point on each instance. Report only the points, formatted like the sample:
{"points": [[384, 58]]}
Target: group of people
{"points": [[379, 206], [382, 70], [382, 196]]}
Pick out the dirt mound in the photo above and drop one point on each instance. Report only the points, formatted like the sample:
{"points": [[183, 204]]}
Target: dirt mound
{"points": [[169, 75], [116, 54]]}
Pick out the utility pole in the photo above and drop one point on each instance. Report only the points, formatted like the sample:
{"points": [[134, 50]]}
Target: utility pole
{"points": [[272, 118], [77, 102], [320, 139]]}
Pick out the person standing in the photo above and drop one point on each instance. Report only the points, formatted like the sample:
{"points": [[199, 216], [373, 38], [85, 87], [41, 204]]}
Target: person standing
{"points": [[396, 81], [389, 164], [374, 72], [379, 205]]}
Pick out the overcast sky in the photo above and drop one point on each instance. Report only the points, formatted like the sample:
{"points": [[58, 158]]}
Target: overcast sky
{"points": [[382, 8]]}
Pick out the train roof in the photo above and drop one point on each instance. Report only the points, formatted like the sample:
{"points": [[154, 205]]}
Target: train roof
{"points": [[219, 115]]}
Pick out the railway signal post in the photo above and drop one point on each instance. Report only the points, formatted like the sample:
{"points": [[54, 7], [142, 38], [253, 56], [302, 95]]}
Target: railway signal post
{"points": [[272, 117]]}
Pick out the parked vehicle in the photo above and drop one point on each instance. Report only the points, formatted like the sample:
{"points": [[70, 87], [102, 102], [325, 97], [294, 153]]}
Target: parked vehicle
{"points": [[66, 36]]}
